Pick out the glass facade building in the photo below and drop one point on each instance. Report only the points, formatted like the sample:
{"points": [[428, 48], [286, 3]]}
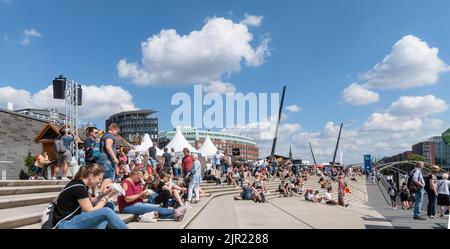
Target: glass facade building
{"points": [[136, 123], [442, 152]]}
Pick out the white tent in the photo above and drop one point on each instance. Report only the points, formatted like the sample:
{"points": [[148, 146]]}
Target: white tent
{"points": [[142, 148], [208, 148], [179, 142]]}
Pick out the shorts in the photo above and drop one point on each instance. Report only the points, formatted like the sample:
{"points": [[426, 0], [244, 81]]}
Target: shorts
{"points": [[65, 157], [393, 198], [109, 171]]}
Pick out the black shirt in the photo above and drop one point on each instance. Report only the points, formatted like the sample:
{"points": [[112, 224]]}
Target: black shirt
{"points": [[68, 200], [152, 152], [167, 156]]}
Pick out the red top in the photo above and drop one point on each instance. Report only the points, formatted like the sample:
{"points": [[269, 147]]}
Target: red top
{"points": [[130, 188], [187, 163]]}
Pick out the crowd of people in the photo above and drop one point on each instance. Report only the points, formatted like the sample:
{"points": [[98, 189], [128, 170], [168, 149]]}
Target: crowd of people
{"points": [[167, 186], [412, 192], [164, 188]]}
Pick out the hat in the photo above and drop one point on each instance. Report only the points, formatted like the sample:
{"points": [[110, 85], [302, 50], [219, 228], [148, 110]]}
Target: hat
{"points": [[435, 168]]}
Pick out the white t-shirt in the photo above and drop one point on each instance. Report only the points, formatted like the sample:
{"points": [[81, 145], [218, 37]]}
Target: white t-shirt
{"points": [[327, 196], [208, 166], [443, 187]]}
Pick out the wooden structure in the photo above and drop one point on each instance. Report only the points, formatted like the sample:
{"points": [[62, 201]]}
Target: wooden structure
{"points": [[47, 137]]}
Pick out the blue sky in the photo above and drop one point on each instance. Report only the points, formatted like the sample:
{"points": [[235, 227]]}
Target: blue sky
{"points": [[316, 48]]}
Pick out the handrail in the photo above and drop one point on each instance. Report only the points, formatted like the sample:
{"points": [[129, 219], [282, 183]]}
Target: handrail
{"points": [[411, 162]]}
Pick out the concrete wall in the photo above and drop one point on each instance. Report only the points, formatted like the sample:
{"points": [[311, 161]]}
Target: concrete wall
{"points": [[17, 133]]}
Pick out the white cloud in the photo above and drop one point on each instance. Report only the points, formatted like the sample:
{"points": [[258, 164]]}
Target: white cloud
{"points": [[98, 101], [28, 35], [201, 56], [417, 106], [388, 122], [412, 63], [293, 108], [251, 20], [219, 87], [32, 33], [358, 95]]}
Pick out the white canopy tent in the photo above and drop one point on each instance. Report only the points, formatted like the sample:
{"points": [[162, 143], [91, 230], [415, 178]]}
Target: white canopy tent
{"points": [[142, 148], [208, 148], [179, 142]]}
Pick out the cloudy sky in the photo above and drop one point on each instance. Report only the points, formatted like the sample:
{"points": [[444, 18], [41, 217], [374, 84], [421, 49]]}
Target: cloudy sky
{"points": [[381, 68]]}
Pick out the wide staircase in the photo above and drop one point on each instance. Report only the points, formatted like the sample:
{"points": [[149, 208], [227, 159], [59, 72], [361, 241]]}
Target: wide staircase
{"points": [[357, 195], [23, 202]]}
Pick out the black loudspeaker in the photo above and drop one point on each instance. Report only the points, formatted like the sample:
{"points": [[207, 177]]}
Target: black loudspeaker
{"points": [[59, 88], [80, 95]]}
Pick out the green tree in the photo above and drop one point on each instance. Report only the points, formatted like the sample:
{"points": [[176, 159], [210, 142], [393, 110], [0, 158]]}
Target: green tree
{"points": [[29, 163], [416, 157]]}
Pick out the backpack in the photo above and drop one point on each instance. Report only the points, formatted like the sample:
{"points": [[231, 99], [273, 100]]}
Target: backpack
{"points": [[412, 186], [59, 146], [93, 153], [48, 216]]}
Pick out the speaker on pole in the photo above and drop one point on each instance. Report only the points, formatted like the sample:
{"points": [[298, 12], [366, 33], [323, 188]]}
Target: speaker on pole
{"points": [[79, 95], [59, 88]]}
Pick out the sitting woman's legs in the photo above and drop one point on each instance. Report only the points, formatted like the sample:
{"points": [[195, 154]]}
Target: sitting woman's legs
{"points": [[142, 208], [177, 197], [99, 218]]}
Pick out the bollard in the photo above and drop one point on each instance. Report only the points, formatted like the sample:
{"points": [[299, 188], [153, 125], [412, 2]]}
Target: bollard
{"points": [[4, 175]]}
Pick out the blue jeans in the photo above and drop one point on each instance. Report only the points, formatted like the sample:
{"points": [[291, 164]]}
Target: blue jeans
{"points": [[176, 172], [142, 208], [418, 196], [108, 167], [225, 168], [98, 219], [152, 198]]}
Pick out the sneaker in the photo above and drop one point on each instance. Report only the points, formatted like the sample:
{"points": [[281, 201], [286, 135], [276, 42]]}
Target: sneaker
{"points": [[179, 218], [64, 178], [420, 218], [179, 213], [53, 178]]}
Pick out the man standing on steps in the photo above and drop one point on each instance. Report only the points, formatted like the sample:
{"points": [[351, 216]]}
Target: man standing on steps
{"points": [[417, 178], [107, 158]]}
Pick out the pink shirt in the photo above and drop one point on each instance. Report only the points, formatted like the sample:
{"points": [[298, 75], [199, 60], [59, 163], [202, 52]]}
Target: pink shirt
{"points": [[131, 189]]}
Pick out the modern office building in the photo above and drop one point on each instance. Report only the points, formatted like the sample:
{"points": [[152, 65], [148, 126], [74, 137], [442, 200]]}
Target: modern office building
{"points": [[223, 141], [426, 149], [136, 123], [442, 152]]}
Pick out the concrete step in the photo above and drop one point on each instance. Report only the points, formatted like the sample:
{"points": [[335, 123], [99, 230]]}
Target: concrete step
{"points": [[13, 183], [20, 190], [11, 201], [21, 216]]}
